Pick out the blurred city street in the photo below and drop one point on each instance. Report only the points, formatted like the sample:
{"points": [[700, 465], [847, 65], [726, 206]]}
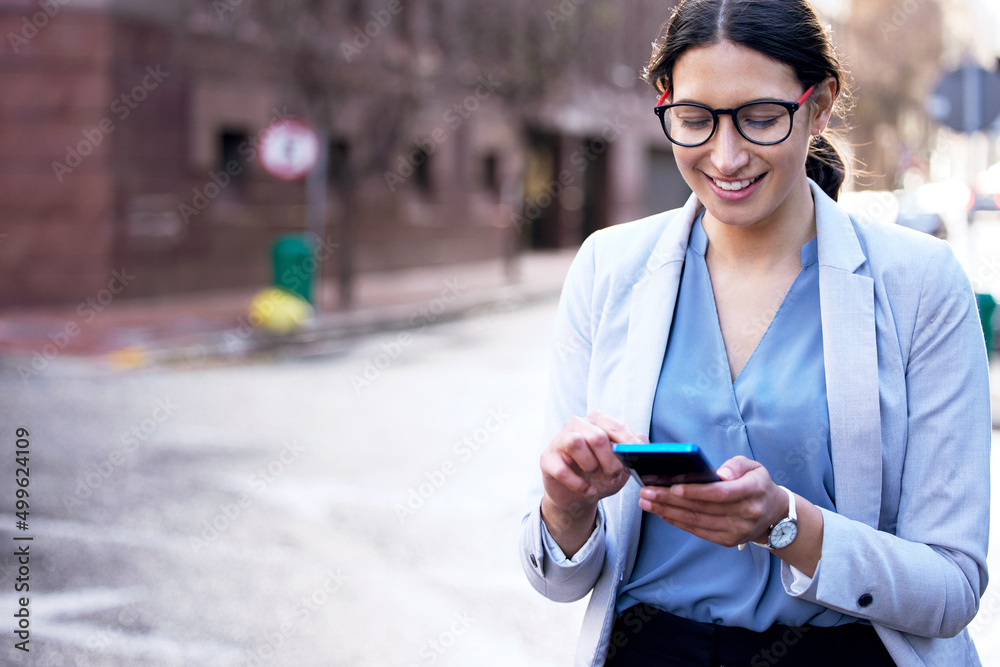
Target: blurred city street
{"points": [[278, 283], [287, 514]]}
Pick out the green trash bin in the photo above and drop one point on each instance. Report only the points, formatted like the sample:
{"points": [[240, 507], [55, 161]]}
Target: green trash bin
{"points": [[987, 304], [294, 265]]}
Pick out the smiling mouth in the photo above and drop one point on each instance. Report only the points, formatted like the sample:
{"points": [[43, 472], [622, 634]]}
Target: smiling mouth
{"points": [[735, 186]]}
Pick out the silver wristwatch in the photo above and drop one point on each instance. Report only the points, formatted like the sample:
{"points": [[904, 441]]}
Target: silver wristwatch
{"points": [[783, 533]]}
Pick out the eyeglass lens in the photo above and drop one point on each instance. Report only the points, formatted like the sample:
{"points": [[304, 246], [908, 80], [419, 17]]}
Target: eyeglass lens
{"points": [[761, 122]]}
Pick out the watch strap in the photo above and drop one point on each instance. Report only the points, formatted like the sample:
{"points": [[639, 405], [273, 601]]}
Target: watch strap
{"points": [[792, 516]]}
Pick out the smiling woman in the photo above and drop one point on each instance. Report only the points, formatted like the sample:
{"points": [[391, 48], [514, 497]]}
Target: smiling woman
{"points": [[857, 378]]}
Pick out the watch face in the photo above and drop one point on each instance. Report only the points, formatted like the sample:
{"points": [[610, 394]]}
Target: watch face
{"points": [[783, 534]]}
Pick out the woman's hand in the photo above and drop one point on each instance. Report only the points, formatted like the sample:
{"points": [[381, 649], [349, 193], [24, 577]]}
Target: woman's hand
{"points": [[578, 469], [737, 510]]}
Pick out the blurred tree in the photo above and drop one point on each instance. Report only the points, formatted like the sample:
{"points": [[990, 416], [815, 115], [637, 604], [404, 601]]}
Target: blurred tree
{"points": [[893, 49]]}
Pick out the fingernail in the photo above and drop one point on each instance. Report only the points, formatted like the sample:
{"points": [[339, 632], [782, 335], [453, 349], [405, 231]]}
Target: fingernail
{"points": [[726, 473]]}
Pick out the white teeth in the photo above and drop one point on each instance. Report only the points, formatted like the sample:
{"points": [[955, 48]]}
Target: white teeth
{"points": [[733, 186]]}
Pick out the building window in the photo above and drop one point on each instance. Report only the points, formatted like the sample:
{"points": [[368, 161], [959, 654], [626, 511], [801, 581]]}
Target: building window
{"points": [[422, 170], [337, 162], [490, 175], [234, 147]]}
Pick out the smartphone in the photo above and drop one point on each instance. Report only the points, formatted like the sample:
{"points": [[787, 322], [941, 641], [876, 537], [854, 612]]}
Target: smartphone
{"points": [[665, 464]]}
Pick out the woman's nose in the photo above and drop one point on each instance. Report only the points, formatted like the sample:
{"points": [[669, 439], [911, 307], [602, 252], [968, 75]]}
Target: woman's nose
{"points": [[729, 148]]}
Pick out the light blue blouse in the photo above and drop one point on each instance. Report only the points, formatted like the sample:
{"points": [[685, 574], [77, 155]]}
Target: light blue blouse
{"points": [[775, 412]]}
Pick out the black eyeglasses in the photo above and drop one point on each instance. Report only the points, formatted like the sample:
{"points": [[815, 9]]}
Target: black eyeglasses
{"points": [[764, 123]]}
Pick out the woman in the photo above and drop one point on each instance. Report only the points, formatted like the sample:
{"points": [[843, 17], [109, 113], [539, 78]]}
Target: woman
{"points": [[834, 367]]}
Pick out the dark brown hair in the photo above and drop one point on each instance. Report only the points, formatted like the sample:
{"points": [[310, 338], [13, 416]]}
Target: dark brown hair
{"points": [[788, 31]]}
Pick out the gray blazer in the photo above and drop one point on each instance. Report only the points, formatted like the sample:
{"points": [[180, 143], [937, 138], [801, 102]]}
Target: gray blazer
{"points": [[909, 402]]}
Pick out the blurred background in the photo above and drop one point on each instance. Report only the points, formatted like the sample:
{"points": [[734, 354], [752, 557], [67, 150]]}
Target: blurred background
{"points": [[277, 282]]}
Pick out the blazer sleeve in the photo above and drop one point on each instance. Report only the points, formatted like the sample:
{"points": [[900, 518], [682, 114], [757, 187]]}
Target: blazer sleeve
{"points": [[567, 397], [927, 578]]}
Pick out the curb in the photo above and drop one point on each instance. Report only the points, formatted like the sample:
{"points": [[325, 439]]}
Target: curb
{"points": [[240, 344]]}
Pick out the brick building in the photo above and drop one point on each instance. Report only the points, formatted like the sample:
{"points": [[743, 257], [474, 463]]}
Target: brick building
{"points": [[129, 129]]}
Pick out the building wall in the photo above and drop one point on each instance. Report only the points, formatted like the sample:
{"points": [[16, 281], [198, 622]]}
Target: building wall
{"points": [[190, 223], [57, 81], [147, 101]]}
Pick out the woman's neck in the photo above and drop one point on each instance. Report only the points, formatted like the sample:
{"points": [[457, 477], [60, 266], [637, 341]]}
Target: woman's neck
{"points": [[768, 243]]}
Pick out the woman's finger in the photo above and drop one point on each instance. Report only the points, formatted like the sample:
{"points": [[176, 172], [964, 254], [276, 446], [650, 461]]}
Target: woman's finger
{"points": [[693, 517], [616, 432], [725, 530], [741, 505], [555, 467], [579, 450]]}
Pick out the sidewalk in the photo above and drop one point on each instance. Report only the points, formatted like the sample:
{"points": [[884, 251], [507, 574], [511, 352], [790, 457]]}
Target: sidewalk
{"points": [[215, 326]]}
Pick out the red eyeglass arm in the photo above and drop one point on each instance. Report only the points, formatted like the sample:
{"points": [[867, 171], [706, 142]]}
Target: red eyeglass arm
{"points": [[805, 96]]}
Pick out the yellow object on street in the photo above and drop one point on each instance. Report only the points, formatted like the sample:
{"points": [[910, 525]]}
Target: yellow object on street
{"points": [[128, 358], [279, 311]]}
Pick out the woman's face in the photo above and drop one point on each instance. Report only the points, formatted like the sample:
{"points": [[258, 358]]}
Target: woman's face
{"points": [[726, 75]]}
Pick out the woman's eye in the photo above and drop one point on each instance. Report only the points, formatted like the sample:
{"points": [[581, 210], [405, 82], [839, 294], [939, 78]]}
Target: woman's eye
{"points": [[694, 123], [760, 123]]}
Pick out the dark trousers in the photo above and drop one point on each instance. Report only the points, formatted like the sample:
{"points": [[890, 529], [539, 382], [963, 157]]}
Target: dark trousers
{"points": [[644, 636]]}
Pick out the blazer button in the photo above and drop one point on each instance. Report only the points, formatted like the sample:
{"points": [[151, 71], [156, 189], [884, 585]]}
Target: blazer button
{"points": [[865, 600], [534, 563]]}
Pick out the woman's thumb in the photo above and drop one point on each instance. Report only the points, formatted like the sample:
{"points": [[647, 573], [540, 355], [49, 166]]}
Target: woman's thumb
{"points": [[736, 467]]}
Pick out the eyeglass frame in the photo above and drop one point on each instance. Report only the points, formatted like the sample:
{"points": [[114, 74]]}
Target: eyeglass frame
{"points": [[660, 110]]}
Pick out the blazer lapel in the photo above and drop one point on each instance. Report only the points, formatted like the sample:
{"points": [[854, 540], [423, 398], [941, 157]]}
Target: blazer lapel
{"points": [[847, 306], [651, 311]]}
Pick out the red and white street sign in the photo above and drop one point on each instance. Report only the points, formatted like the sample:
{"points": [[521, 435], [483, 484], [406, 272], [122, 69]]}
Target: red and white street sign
{"points": [[289, 149]]}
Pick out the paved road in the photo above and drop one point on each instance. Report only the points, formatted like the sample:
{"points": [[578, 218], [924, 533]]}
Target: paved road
{"points": [[356, 505], [255, 515]]}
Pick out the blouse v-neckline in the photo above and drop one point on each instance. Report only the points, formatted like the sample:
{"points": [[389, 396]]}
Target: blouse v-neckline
{"points": [[808, 255]]}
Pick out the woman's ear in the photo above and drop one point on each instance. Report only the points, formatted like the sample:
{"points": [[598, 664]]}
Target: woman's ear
{"points": [[823, 99]]}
